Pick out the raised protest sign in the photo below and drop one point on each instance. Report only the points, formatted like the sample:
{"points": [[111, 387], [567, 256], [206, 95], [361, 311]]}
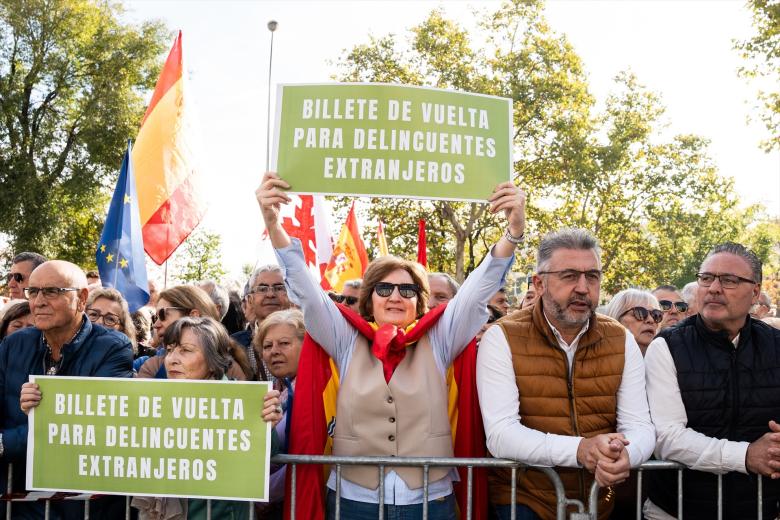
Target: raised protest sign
{"points": [[392, 141], [202, 439]]}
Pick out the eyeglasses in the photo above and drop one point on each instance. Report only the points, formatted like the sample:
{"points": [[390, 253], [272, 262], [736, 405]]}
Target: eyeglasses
{"points": [[48, 292], [109, 319], [340, 298], [666, 305], [407, 290], [264, 288], [572, 276], [162, 313], [19, 277], [727, 281], [640, 313]]}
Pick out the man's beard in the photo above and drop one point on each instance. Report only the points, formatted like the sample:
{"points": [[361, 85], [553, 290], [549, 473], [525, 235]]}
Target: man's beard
{"points": [[564, 315]]}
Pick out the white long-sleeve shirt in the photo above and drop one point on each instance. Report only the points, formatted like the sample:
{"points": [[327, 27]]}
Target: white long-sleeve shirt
{"points": [[461, 320], [499, 399]]}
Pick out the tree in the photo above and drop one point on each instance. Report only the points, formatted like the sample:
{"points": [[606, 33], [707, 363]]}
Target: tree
{"points": [[762, 51], [72, 78], [523, 60], [656, 204], [199, 258]]}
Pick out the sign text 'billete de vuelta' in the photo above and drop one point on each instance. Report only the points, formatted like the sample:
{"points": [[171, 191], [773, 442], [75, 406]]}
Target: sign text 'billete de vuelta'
{"points": [[392, 140], [150, 437]]}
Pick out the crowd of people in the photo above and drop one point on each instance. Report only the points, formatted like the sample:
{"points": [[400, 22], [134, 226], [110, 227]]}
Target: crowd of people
{"points": [[690, 375]]}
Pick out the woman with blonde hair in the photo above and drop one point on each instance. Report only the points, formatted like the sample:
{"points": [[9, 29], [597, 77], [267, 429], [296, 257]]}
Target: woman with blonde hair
{"points": [[278, 340], [106, 306]]}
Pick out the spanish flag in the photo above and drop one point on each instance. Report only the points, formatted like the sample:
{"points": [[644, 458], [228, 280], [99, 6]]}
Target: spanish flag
{"points": [[314, 417], [166, 175], [349, 259], [422, 244]]}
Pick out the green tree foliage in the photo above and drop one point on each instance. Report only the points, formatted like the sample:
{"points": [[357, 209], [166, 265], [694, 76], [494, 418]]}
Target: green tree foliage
{"points": [[72, 79], [199, 258], [656, 204], [522, 59], [762, 51]]}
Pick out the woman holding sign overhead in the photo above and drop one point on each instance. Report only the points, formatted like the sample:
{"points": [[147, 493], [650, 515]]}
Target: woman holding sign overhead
{"points": [[392, 364]]}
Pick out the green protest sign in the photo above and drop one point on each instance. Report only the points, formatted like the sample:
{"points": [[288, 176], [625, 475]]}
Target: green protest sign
{"points": [[392, 141], [202, 439]]}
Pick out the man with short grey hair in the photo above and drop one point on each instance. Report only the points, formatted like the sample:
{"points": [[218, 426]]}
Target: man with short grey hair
{"points": [[443, 289], [18, 278], [266, 294], [562, 386], [713, 383]]}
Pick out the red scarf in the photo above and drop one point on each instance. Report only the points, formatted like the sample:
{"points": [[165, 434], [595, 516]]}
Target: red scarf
{"points": [[309, 434]]}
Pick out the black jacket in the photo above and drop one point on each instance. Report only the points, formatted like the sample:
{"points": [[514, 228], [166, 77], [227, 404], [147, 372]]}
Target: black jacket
{"points": [[729, 393]]}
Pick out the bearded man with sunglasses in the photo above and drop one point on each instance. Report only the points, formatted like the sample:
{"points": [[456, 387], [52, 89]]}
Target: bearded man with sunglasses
{"points": [[63, 342], [562, 386], [713, 383]]}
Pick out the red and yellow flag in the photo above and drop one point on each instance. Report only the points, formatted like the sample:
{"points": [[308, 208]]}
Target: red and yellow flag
{"points": [[382, 241], [422, 244], [349, 259], [166, 176]]}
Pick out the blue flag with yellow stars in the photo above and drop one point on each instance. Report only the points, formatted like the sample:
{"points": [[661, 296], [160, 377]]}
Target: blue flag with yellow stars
{"points": [[120, 253]]}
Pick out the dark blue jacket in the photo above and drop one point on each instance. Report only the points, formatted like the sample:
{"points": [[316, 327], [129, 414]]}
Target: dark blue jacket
{"points": [[95, 352]]}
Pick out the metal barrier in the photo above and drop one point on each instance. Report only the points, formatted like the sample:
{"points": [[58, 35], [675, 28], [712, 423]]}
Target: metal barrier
{"points": [[662, 464], [562, 502]]}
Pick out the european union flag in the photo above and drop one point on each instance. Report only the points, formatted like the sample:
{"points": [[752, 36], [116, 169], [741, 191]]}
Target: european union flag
{"points": [[120, 253]]}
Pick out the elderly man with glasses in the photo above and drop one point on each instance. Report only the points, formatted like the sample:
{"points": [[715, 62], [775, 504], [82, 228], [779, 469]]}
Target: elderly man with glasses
{"points": [[562, 386], [713, 383], [266, 293], [62, 343]]}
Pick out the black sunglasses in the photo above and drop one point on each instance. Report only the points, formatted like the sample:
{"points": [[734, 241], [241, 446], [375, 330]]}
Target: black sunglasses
{"points": [[666, 305], [161, 313], [640, 313], [340, 298], [19, 277], [407, 290]]}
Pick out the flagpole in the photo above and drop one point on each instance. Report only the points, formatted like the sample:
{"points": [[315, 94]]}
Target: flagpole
{"points": [[272, 25]]}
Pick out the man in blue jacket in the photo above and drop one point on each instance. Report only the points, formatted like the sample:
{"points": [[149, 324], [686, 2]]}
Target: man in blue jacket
{"points": [[64, 342]]}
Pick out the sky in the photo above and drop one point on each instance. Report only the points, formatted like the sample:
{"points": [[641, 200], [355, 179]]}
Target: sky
{"points": [[682, 50]]}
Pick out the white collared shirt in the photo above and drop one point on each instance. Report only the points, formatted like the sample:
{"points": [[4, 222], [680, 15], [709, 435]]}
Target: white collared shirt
{"points": [[499, 398]]}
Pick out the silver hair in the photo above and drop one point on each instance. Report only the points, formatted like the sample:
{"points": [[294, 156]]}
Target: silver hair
{"points": [[628, 299], [451, 282], [218, 295], [354, 284], [567, 238], [267, 268], [743, 252], [688, 292]]}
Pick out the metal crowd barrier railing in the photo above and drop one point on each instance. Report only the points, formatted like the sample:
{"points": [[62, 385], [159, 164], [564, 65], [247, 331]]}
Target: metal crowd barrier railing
{"points": [[562, 502]]}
